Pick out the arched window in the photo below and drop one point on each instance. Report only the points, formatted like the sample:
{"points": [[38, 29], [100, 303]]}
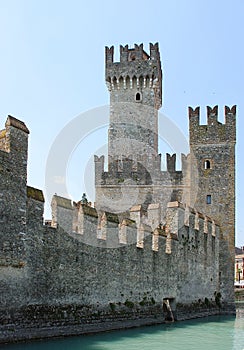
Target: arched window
{"points": [[138, 96], [207, 164]]}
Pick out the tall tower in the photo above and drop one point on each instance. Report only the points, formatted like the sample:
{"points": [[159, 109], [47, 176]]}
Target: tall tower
{"points": [[212, 154], [134, 165], [134, 175], [135, 86]]}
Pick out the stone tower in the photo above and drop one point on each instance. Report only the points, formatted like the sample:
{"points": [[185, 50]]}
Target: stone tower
{"points": [[13, 196], [212, 172], [134, 175], [135, 86]]}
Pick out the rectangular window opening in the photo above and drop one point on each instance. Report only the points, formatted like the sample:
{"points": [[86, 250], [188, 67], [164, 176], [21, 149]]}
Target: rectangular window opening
{"points": [[208, 199]]}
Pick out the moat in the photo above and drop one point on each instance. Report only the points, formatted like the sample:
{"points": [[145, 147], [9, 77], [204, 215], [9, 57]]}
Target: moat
{"points": [[211, 333]]}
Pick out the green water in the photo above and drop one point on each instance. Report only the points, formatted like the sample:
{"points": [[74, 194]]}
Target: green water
{"points": [[214, 333]]}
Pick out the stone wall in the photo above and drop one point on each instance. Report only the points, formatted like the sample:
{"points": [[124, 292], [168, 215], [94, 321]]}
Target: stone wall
{"points": [[139, 253], [212, 153], [130, 181], [69, 285], [135, 86], [13, 174]]}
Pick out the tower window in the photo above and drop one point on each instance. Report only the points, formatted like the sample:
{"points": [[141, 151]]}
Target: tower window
{"points": [[132, 57], [208, 199], [207, 164], [138, 96]]}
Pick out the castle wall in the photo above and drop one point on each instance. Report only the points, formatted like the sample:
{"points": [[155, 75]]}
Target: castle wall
{"points": [[119, 264], [128, 182], [69, 286]]}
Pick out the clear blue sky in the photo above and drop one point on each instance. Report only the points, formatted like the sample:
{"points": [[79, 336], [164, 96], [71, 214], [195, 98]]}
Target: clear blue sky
{"points": [[52, 65]]}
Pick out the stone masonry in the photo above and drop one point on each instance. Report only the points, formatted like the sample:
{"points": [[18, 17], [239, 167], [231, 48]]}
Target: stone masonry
{"points": [[207, 179], [157, 246]]}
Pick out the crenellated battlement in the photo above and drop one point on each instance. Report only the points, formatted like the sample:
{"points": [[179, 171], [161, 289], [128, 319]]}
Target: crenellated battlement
{"points": [[136, 70], [13, 153], [214, 131], [176, 222], [212, 114], [129, 182], [142, 170], [12, 131], [183, 215], [16, 123], [109, 54], [134, 54], [175, 229]]}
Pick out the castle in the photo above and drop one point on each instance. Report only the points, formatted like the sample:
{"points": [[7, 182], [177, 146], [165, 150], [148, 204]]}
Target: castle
{"points": [[158, 245]]}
